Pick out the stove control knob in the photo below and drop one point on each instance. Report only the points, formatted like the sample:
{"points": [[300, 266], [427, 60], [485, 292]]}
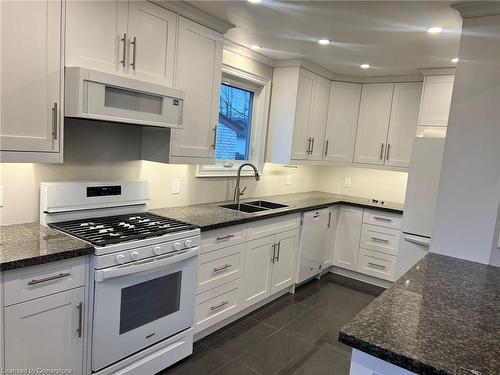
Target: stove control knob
{"points": [[120, 258], [134, 255], [188, 243], [177, 246], [157, 250]]}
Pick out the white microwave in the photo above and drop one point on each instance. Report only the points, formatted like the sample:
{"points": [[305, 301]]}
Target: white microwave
{"points": [[103, 96]]}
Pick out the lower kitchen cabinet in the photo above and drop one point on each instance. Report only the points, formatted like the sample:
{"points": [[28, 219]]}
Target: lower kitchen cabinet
{"points": [[333, 218], [46, 333], [348, 237], [283, 266]]}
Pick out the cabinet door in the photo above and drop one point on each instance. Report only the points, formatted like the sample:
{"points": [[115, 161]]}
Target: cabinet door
{"points": [[30, 81], [373, 122], [257, 276], [436, 100], [43, 333], [403, 123], [342, 121], [301, 144], [317, 123], [284, 265], [199, 73], [347, 237], [152, 32], [330, 237], [94, 34]]}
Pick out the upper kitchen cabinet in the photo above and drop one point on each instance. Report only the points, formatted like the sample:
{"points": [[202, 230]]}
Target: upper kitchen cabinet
{"points": [[297, 119], [31, 81], [436, 100], [135, 38], [373, 122], [340, 133], [199, 73]]}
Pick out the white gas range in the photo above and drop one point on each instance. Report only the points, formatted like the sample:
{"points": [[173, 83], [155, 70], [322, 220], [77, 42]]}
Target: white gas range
{"points": [[143, 273]]}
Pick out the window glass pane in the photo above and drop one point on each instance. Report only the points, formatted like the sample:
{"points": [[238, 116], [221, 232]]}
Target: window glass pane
{"points": [[235, 121], [132, 100], [148, 301]]}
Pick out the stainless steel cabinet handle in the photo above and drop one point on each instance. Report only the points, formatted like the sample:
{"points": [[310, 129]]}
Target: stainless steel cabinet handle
{"points": [[329, 218], [50, 278], [222, 268], [215, 137], [222, 304], [124, 55], [308, 151], [226, 237], [382, 219], [134, 44], [279, 248], [376, 239], [312, 145], [273, 257], [327, 142], [379, 266], [381, 152], [79, 330], [55, 120], [388, 151]]}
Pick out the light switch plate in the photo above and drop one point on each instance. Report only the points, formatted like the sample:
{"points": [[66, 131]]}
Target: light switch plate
{"points": [[176, 186], [347, 182], [288, 179]]}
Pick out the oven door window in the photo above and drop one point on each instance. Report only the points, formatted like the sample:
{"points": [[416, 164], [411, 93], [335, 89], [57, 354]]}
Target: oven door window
{"points": [[148, 301]]}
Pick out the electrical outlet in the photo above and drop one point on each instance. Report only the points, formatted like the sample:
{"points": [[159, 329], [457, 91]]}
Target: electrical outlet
{"points": [[176, 186], [288, 179], [347, 182]]}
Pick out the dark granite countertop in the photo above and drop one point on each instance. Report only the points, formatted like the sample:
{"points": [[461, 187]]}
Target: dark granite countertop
{"points": [[24, 245], [441, 317], [210, 216]]}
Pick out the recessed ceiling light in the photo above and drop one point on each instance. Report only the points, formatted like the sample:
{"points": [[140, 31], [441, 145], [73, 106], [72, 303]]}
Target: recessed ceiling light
{"points": [[454, 60], [434, 30], [255, 47], [324, 42], [365, 66], [254, 1]]}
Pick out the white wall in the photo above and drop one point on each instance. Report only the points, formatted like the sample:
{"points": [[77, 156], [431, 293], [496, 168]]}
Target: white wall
{"points": [[469, 192]]}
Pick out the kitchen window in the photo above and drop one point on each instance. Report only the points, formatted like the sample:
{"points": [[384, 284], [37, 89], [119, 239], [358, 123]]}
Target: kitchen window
{"points": [[242, 126]]}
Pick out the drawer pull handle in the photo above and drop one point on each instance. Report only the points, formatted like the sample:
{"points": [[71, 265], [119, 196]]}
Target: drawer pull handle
{"points": [[50, 278], [226, 237], [381, 240], [79, 330], [222, 268], [379, 266], [222, 304], [384, 219]]}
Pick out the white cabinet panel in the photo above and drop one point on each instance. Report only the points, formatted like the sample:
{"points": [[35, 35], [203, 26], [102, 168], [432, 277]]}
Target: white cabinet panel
{"points": [[301, 140], [348, 237], [436, 100], [382, 218], [403, 123], [152, 31], [340, 133], [319, 110], [257, 282], [373, 122], [31, 76], [377, 264], [283, 267], [383, 240], [330, 237], [44, 333], [198, 72]]}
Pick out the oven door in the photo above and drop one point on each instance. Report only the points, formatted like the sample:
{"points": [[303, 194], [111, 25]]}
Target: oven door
{"points": [[142, 303]]}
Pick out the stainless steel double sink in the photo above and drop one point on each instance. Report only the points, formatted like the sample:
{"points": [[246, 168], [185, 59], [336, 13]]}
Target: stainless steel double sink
{"points": [[255, 206]]}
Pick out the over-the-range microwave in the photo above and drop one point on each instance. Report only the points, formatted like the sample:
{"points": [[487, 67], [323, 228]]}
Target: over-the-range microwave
{"points": [[96, 95]]}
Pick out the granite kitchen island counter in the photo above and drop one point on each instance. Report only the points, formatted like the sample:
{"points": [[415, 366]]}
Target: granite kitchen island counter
{"points": [[441, 317], [211, 216]]}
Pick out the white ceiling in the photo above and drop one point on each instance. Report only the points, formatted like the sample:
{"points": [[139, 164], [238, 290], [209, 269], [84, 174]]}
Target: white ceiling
{"points": [[389, 35]]}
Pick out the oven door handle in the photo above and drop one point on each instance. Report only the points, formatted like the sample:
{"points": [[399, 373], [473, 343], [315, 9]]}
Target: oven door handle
{"points": [[146, 265]]}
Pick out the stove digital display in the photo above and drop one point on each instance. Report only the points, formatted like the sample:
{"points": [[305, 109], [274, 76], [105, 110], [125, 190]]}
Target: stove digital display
{"points": [[101, 191]]}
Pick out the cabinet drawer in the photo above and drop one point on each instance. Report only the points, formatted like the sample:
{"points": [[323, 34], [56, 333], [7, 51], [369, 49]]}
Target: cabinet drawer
{"points": [[383, 219], [217, 304], [384, 240], [269, 227], [219, 238], [377, 264], [220, 266], [34, 282]]}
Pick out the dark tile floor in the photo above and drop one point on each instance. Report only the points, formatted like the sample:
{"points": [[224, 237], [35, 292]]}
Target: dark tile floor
{"points": [[295, 334]]}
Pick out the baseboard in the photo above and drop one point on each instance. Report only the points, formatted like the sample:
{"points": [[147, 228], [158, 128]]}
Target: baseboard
{"points": [[361, 277]]}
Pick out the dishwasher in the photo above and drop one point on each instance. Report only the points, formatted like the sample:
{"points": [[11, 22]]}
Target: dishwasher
{"points": [[313, 235]]}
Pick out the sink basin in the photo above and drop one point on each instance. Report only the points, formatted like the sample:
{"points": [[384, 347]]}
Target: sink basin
{"points": [[244, 207], [266, 204]]}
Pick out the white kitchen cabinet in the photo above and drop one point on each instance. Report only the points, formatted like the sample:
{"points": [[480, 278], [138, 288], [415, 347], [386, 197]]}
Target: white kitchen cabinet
{"points": [[342, 120], [348, 237], [403, 123], [46, 333], [330, 236], [258, 260], [373, 123], [199, 73], [436, 100], [283, 267], [317, 122], [31, 81], [123, 37]]}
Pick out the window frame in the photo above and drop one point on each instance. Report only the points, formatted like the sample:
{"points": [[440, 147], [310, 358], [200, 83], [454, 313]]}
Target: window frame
{"points": [[261, 88]]}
